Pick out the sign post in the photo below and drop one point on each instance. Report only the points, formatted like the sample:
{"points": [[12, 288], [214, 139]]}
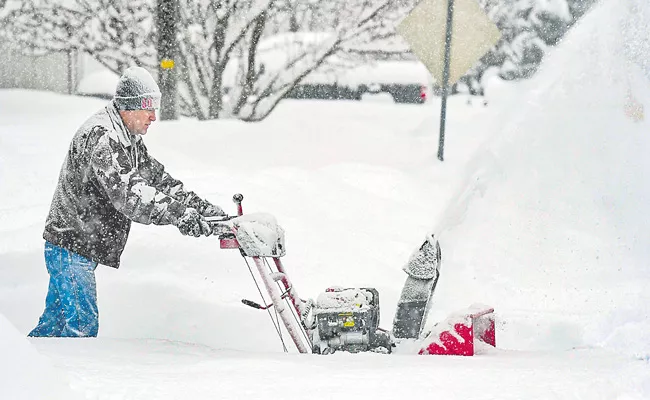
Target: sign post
{"points": [[445, 80], [449, 37]]}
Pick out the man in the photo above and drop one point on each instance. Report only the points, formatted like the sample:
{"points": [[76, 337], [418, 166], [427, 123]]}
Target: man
{"points": [[108, 179]]}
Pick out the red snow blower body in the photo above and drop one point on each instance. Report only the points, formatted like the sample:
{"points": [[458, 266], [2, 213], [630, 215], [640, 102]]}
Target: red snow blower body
{"points": [[347, 319]]}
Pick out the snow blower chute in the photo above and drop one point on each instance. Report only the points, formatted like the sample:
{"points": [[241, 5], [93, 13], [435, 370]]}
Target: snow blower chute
{"points": [[347, 319]]}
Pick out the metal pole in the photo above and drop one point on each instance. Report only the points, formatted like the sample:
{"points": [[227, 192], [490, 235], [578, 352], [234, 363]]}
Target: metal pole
{"points": [[445, 79], [72, 60], [71, 72], [167, 47]]}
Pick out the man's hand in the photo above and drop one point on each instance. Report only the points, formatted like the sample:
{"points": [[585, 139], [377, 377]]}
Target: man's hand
{"points": [[211, 210], [193, 224], [221, 228]]}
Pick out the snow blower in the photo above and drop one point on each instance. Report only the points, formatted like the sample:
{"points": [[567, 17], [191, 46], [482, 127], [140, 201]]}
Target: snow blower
{"points": [[347, 319]]}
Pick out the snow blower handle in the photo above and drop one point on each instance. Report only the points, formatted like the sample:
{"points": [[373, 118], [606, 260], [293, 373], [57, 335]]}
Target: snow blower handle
{"points": [[219, 218], [219, 226], [238, 198]]}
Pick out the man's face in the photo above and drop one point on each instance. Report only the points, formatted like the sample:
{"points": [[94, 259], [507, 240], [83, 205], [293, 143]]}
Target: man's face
{"points": [[138, 121]]}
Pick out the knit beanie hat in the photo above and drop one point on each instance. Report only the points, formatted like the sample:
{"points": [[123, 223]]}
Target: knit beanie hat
{"points": [[137, 90]]}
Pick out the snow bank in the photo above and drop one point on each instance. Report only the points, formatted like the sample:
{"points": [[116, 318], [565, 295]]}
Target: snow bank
{"points": [[553, 215], [625, 330], [24, 373]]}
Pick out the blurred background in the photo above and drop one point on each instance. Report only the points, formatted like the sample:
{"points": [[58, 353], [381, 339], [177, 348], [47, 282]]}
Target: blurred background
{"points": [[240, 58]]}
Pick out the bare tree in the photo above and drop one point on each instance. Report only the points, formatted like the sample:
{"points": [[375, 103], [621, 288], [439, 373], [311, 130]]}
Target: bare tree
{"points": [[212, 35], [234, 60], [243, 63], [358, 22], [116, 33]]}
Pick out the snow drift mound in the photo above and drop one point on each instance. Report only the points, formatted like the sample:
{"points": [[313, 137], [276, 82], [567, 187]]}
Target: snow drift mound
{"points": [[24, 373], [554, 213]]}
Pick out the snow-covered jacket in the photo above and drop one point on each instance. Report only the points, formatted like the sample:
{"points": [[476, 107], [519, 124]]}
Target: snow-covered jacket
{"points": [[107, 180]]}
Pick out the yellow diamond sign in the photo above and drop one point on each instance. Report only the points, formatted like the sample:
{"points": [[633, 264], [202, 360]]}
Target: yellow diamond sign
{"points": [[473, 34]]}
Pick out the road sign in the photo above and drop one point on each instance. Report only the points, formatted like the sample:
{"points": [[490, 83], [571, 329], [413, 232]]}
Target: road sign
{"points": [[473, 34], [449, 37]]}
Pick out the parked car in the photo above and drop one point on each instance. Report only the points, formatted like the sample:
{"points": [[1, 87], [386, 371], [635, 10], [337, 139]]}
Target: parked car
{"points": [[404, 81]]}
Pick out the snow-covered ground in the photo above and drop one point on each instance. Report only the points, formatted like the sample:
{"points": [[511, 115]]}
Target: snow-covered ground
{"points": [[541, 208]]}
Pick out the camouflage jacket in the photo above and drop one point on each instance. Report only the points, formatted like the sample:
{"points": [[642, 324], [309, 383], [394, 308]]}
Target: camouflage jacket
{"points": [[107, 180]]}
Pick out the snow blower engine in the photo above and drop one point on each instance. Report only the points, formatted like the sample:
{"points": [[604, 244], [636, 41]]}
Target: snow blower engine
{"points": [[348, 319]]}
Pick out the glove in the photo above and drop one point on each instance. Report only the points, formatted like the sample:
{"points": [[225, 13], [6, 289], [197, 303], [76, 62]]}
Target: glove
{"points": [[210, 210], [191, 223]]}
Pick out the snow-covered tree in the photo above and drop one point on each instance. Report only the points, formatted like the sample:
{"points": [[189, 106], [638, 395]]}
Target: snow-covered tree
{"points": [[231, 62], [239, 58], [116, 33], [579, 7], [528, 28]]}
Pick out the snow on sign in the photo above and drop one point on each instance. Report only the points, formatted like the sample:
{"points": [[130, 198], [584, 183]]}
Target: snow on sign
{"points": [[473, 35]]}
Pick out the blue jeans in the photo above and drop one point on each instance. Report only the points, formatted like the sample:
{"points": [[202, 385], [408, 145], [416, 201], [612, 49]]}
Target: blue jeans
{"points": [[71, 302]]}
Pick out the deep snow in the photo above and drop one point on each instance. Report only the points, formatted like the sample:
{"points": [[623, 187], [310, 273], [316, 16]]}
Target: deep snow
{"points": [[540, 208]]}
